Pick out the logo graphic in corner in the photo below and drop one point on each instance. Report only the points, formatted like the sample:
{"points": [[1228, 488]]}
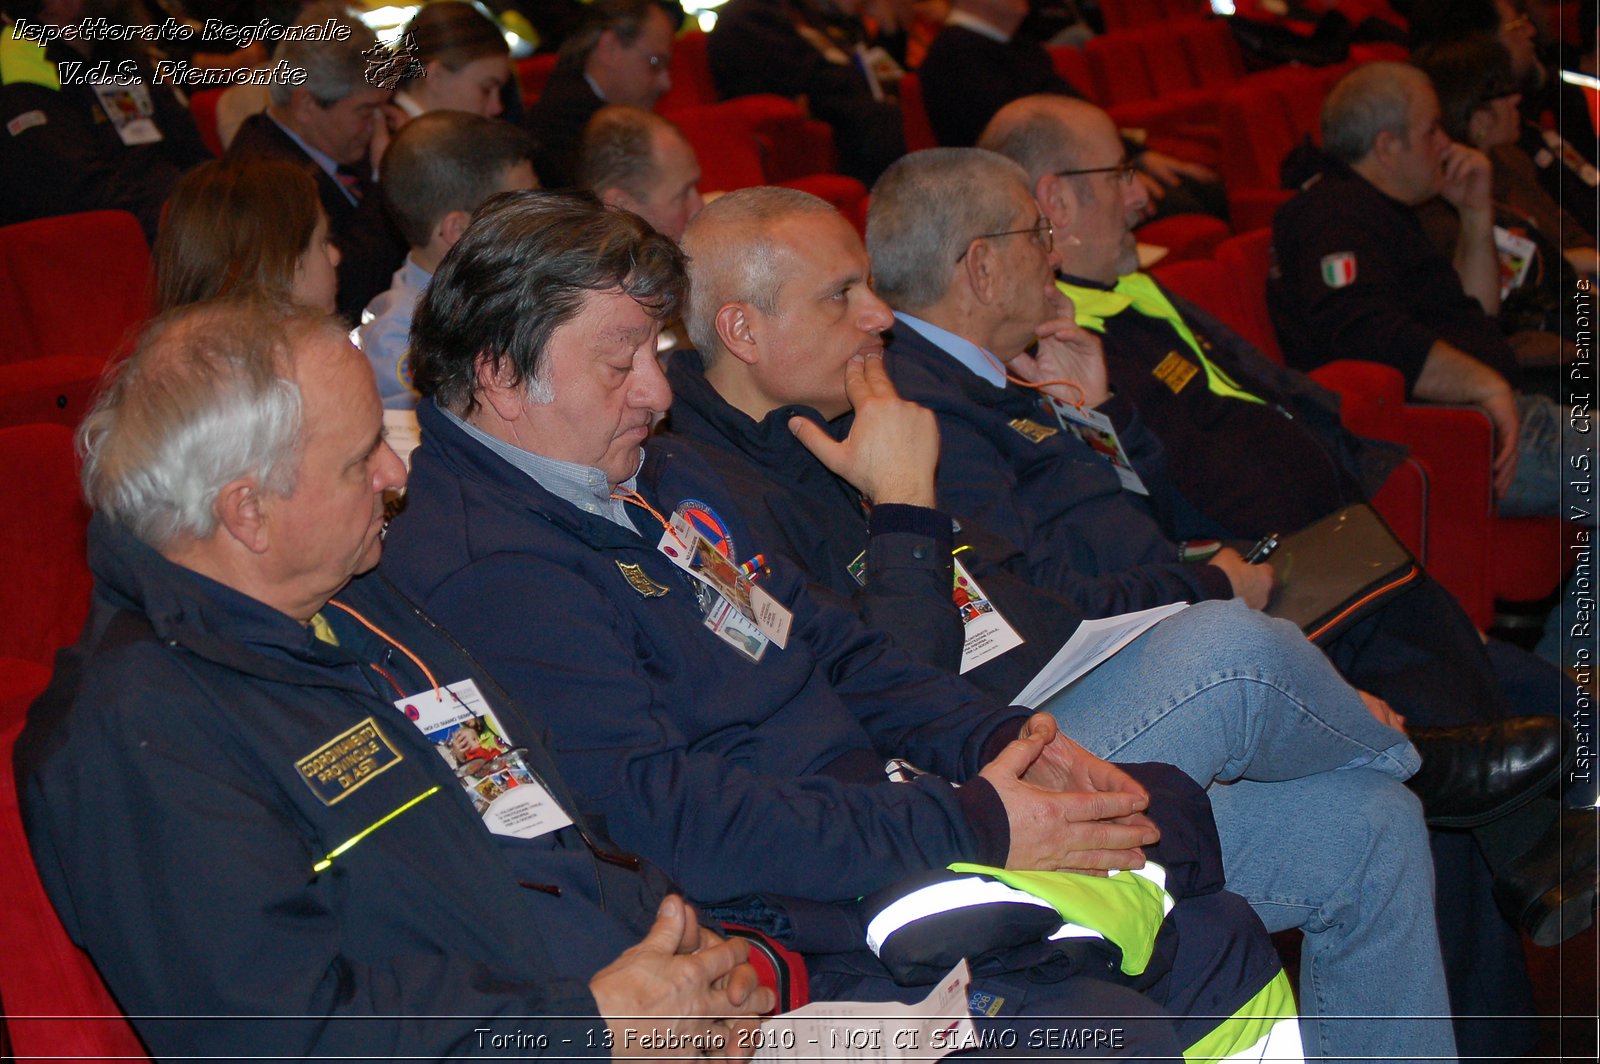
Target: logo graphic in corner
{"points": [[389, 65], [1339, 269]]}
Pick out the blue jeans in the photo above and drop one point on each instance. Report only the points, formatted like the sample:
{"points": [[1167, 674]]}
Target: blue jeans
{"points": [[1547, 438], [1547, 441], [1318, 832]]}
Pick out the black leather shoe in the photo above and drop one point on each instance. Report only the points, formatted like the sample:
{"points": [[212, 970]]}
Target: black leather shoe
{"points": [[1549, 894], [1476, 773]]}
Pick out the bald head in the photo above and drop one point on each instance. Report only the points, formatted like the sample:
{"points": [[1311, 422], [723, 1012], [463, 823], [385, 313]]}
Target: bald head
{"points": [[927, 208], [738, 255], [1094, 209], [637, 160], [1047, 133]]}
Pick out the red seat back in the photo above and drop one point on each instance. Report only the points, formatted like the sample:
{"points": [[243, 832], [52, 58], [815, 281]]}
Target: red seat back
{"points": [[56, 1005], [914, 115], [1117, 67], [44, 575], [691, 75], [47, 985], [1247, 260], [1073, 67], [203, 106], [75, 285]]}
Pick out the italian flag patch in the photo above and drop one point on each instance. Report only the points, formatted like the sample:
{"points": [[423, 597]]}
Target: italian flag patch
{"points": [[1339, 269]]}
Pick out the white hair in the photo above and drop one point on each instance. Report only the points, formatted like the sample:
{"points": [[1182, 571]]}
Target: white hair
{"points": [[206, 399]]}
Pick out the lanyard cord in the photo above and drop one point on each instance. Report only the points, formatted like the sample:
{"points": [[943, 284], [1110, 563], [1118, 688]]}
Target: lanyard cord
{"points": [[640, 501], [392, 641], [1037, 386]]}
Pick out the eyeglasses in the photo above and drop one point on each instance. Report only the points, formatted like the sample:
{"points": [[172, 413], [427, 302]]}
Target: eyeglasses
{"points": [[1124, 171], [1043, 233]]}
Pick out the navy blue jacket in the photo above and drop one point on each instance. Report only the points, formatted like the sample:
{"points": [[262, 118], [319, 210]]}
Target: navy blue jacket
{"points": [[1055, 501], [737, 777], [177, 839], [1280, 450], [1404, 295], [797, 507]]}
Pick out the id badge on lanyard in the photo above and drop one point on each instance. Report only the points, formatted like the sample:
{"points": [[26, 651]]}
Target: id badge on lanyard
{"points": [[467, 734]]}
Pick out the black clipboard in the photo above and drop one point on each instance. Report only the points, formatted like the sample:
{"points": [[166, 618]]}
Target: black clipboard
{"points": [[1338, 569]]}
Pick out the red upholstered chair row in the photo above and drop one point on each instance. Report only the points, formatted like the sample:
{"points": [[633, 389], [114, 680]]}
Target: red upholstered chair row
{"points": [[44, 596], [1130, 14], [1477, 555], [73, 292]]}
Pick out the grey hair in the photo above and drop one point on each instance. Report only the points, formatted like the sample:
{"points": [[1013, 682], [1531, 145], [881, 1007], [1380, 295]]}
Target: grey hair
{"points": [[334, 69], [1373, 98], [733, 258], [925, 211], [207, 397], [618, 150]]}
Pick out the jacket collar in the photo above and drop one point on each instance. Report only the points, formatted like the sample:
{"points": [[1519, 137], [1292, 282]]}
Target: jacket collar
{"points": [[952, 375], [208, 618], [464, 458], [700, 412]]}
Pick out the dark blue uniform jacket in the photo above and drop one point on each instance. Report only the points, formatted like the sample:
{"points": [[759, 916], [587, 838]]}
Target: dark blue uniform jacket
{"points": [[795, 506], [1056, 501], [738, 777], [177, 838]]}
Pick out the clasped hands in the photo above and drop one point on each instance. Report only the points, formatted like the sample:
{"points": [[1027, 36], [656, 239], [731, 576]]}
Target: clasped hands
{"points": [[1068, 810]]}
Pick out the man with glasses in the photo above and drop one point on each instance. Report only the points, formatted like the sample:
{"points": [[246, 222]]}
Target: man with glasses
{"points": [[787, 400], [726, 721], [621, 55]]}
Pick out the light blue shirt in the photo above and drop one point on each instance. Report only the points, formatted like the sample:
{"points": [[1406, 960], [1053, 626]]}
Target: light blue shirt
{"points": [[962, 350], [583, 486], [385, 334]]}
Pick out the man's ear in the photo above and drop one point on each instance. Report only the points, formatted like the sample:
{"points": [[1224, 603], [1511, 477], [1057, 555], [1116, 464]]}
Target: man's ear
{"points": [[1479, 125], [496, 387], [734, 323], [1385, 144], [450, 227], [1058, 199], [300, 103], [242, 512], [982, 271], [616, 197]]}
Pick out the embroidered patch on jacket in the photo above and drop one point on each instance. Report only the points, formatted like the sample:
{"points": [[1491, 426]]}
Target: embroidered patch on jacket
{"points": [[984, 1003], [26, 121], [1175, 371], [640, 581], [1339, 269], [348, 761], [1034, 431]]}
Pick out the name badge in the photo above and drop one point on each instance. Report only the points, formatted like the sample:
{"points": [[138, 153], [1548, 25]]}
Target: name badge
{"points": [[722, 582], [463, 728], [1096, 430], [130, 110], [985, 633]]}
